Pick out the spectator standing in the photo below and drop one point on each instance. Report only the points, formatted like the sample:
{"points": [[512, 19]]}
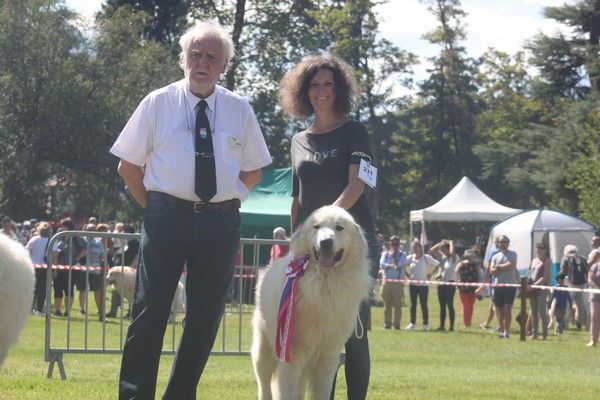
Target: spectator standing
{"points": [[37, 247], [419, 267], [446, 273], [96, 254], [129, 259], [278, 250], [26, 232], [539, 274], [503, 268], [8, 228], [468, 270], [392, 266], [560, 298], [189, 153], [575, 267], [487, 277], [117, 246], [68, 252], [594, 283]]}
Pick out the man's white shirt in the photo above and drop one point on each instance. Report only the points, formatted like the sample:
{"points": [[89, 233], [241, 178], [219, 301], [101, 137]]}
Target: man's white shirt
{"points": [[160, 134]]}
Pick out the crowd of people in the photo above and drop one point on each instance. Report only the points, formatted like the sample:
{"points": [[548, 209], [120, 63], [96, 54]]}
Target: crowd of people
{"points": [[442, 265], [88, 256]]}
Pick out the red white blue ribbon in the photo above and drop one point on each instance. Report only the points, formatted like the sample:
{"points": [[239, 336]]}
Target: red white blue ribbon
{"points": [[285, 316]]}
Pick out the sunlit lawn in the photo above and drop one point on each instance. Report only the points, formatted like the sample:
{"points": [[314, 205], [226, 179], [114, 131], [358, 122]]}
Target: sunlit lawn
{"points": [[466, 364]]}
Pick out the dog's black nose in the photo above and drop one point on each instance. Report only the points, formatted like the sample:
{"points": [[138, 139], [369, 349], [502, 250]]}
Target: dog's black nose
{"points": [[326, 245]]}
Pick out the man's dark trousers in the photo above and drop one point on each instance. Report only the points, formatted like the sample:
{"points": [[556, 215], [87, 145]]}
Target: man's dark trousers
{"points": [[173, 235]]}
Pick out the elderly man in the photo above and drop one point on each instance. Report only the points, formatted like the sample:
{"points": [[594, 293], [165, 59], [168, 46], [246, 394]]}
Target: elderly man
{"points": [[189, 153]]}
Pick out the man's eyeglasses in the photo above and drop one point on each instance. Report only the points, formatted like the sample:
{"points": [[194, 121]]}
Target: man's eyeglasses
{"points": [[503, 241]]}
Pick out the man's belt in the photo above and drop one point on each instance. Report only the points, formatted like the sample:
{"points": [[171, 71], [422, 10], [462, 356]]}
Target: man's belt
{"points": [[197, 206]]}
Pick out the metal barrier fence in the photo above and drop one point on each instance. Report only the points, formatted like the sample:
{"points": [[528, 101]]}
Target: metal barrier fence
{"points": [[83, 332]]}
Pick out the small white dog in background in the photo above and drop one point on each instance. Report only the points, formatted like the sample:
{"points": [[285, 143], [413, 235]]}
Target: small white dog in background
{"points": [[123, 280], [17, 280], [327, 302]]}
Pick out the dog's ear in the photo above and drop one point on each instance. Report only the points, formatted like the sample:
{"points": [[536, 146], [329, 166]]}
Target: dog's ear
{"points": [[297, 244]]}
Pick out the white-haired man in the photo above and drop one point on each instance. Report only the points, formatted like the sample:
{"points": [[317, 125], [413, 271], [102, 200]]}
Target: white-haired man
{"points": [[189, 153]]}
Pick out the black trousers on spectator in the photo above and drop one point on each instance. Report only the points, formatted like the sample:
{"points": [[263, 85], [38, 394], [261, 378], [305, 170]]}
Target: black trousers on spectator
{"points": [[39, 293], [446, 300], [422, 292], [173, 235]]}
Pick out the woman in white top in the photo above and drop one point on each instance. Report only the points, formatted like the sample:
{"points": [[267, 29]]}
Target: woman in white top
{"points": [[446, 274], [37, 246], [419, 265]]}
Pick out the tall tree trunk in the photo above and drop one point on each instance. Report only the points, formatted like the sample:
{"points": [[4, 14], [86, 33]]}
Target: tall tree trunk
{"points": [[238, 27]]}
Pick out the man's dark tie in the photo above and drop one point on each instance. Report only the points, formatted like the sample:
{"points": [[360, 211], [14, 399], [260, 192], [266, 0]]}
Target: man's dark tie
{"points": [[206, 178]]}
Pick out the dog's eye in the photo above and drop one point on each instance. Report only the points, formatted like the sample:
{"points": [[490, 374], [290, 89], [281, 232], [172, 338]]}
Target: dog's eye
{"points": [[316, 227], [339, 228]]}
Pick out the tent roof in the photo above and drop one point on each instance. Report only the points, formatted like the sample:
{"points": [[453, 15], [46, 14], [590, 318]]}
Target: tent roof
{"points": [[465, 202], [544, 220], [272, 195]]}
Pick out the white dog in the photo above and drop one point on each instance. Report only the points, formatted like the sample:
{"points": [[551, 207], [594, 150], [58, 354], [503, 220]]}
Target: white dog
{"points": [[124, 283], [16, 291], [327, 301]]}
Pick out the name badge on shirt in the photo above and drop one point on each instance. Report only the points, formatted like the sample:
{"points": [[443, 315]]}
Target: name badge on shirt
{"points": [[367, 173], [234, 142], [203, 134]]}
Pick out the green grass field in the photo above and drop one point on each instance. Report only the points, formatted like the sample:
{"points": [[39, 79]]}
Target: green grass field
{"points": [[466, 364]]}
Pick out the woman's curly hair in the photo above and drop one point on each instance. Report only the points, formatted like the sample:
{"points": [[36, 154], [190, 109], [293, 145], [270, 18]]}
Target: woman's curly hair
{"points": [[293, 88]]}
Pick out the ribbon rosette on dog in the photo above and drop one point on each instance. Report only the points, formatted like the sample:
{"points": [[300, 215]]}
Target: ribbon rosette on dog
{"points": [[285, 317]]}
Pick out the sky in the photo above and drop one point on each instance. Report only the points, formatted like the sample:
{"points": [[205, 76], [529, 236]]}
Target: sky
{"points": [[502, 24]]}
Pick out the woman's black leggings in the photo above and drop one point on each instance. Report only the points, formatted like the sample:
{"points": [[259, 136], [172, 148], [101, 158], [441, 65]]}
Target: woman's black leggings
{"points": [[446, 299], [422, 292]]}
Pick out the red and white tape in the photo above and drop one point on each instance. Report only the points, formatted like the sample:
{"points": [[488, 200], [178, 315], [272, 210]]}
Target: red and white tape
{"points": [[491, 285], [97, 268]]}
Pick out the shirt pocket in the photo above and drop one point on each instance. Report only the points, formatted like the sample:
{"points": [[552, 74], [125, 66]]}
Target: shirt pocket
{"points": [[230, 148]]}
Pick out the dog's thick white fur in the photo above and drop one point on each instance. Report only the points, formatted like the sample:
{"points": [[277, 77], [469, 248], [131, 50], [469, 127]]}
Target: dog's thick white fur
{"points": [[327, 303], [124, 283], [17, 280]]}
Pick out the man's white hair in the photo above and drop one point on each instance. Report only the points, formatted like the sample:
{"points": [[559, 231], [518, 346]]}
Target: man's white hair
{"points": [[279, 232], [201, 30]]}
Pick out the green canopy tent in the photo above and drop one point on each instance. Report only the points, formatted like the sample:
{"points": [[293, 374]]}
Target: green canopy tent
{"points": [[268, 204]]}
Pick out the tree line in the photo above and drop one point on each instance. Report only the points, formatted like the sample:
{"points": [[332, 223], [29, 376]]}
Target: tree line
{"points": [[527, 139]]}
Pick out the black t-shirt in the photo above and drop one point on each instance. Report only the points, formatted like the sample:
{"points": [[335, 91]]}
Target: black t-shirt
{"points": [[320, 169]]}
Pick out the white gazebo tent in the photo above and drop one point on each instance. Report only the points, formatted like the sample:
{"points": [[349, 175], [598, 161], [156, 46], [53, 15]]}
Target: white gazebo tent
{"points": [[465, 202], [524, 230]]}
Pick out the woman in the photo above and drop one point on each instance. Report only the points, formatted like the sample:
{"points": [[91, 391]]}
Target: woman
{"points": [[37, 247], [539, 274], [419, 265], [468, 270], [594, 283], [446, 274], [325, 165]]}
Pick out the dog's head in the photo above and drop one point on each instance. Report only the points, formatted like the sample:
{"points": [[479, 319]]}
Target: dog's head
{"points": [[113, 274], [329, 236]]}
